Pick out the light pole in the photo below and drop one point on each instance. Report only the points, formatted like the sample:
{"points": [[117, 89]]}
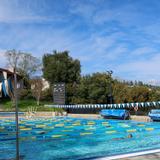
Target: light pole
{"points": [[16, 113], [110, 86]]}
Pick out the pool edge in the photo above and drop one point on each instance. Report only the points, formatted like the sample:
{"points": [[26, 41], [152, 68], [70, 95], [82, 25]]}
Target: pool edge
{"points": [[130, 155]]}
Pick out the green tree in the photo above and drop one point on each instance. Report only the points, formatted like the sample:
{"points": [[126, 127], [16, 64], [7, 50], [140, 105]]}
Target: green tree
{"points": [[93, 89], [99, 88], [81, 91], [154, 94], [140, 94], [60, 67], [121, 92]]}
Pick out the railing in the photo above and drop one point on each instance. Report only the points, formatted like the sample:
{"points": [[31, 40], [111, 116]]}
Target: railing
{"points": [[103, 106]]}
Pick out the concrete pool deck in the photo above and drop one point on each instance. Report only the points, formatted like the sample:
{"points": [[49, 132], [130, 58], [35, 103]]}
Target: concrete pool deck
{"points": [[154, 156], [142, 155], [92, 116]]}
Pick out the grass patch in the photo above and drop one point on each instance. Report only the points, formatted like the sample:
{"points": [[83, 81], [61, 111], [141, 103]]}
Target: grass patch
{"points": [[23, 105]]}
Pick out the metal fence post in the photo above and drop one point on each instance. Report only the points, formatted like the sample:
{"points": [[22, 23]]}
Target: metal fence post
{"points": [[16, 113]]}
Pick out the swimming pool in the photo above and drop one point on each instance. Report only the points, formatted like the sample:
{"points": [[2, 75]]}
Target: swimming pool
{"points": [[71, 138]]}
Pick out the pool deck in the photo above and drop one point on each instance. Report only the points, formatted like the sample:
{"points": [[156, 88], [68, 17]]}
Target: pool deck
{"points": [[153, 156], [92, 116], [142, 155]]}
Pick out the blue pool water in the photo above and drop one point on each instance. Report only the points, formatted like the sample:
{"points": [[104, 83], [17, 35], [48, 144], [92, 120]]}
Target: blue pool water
{"points": [[74, 139]]}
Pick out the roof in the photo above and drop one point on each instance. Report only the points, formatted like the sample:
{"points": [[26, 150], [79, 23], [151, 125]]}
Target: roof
{"points": [[5, 70], [8, 72]]}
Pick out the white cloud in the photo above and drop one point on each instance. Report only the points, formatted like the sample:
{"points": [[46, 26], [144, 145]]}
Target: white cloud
{"points": [[141, 51], [1, 53], [125, 14], [152, 31], [2, 58], [142, 70], [117, 52], [85, 10], [16, 11]]}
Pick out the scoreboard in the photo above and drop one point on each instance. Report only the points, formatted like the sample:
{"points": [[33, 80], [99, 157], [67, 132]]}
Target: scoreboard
{"points": [[59, 93]]}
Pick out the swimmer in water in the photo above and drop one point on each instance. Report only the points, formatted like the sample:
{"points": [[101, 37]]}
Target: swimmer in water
{"points": [[128, 136]]}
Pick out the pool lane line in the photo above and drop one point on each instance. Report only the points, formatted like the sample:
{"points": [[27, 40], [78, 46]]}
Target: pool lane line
{"points": [[128, 155]]}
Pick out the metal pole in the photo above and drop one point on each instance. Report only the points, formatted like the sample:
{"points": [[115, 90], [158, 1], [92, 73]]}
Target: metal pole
{"points": [[16, 111], [110, 92], [110, 86]]}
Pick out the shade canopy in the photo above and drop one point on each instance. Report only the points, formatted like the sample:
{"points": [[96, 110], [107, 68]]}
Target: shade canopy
{"points": [[103, 106]]}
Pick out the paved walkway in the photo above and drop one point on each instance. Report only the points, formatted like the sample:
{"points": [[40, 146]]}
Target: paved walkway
{"points": [[92, 116], [154, 156]]}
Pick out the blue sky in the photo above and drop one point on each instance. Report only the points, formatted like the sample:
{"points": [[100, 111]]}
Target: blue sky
{"points": [[118, 35]]}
